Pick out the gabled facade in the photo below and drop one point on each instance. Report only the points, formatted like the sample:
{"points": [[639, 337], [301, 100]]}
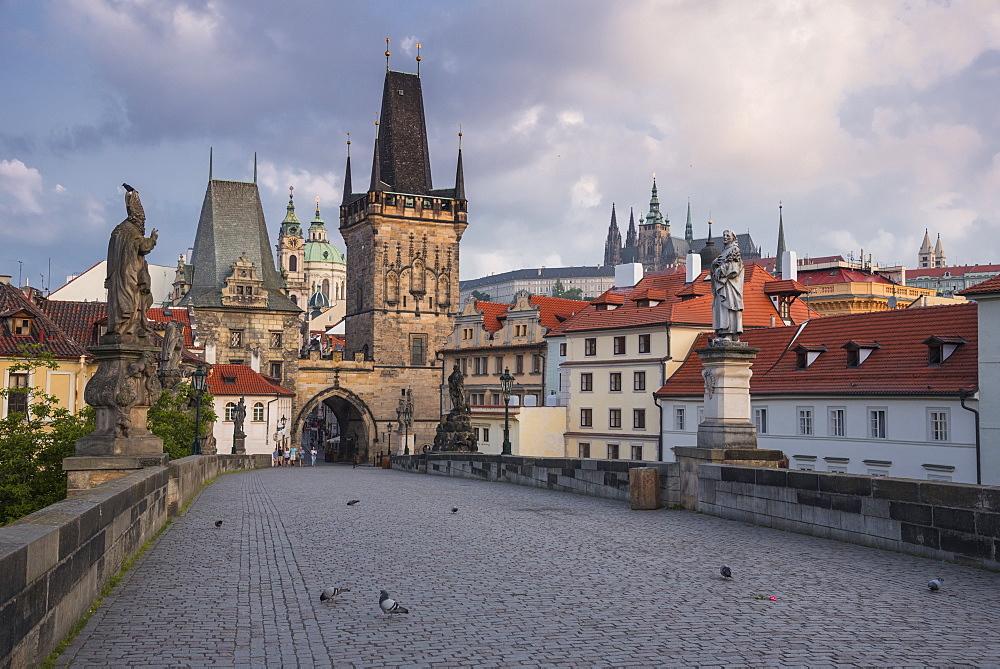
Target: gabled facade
{"points": [[490, 337], [623, 346], [872, 393], [266, 401]]}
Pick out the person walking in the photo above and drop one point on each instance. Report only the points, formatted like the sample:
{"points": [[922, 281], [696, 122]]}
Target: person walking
{"points": [[286, 455], [313, 454], [276, 457], [293, 455]]}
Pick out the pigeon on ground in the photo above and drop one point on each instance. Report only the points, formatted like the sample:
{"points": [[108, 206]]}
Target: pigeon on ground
{"points": [[390, 605], [935, 584], [726, 571], [353, 502], [454, 509], [330, 593], [218, 523]]}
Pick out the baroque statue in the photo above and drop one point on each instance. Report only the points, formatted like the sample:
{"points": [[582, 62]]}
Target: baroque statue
{"points": [[239, 415], [727, 290], [456, 388], [171, 351], [128, 282]]}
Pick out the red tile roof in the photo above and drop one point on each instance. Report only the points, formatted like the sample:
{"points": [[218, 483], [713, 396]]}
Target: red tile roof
{"points": [[899, 367], [689, 304], [988, 286], [552, 311], [492, 313], [165, 315], [784, 287], [961, 270], [819, 277], [81, 320], [44, 331], [241, 380]]}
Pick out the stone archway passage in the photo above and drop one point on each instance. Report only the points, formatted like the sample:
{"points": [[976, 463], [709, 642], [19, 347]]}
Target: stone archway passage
{"points": [[357, 437]]}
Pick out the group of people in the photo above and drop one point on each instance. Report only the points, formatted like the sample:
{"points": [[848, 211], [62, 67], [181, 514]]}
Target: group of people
{"points": [[292, 456]]}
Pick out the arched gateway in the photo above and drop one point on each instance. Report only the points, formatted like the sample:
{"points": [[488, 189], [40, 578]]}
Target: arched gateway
{"points": [[356, 433]]}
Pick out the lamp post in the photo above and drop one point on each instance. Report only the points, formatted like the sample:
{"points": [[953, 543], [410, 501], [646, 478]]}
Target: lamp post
{"points": [[198, 378], [388, 429], [404, 416], [506, 384], [281, 429]]}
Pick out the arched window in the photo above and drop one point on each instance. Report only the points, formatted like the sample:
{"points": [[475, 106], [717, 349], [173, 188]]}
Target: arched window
{"points": [[258, 411], [295, 300], [293, 263], [230, 410], [326, 288]]}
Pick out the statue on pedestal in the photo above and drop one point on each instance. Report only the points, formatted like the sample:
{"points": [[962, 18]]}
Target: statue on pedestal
{"points": [[239, 415], [170, 355], [456, 388], [455, 432], [128, 282], [727, 290]]}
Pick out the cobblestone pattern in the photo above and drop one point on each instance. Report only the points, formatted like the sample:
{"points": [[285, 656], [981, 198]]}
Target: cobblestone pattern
{"points": [[598, 478], [951, 521], [518, 575]]}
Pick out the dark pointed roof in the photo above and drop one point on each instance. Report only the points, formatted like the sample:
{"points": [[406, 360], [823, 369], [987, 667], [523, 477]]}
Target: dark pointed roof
{"points": [[781, 243], [404, 162], [460, 178], [232, 223], [688, 230], [347, 179]]}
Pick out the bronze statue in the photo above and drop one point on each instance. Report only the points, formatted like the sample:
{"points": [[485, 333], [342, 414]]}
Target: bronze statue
{"points": [[727, 289], [128, 282], [456, 388], [239, 414]]}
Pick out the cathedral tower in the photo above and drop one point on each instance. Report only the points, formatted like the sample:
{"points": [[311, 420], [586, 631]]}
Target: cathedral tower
{"points": [[289, 248], [613, 246]]}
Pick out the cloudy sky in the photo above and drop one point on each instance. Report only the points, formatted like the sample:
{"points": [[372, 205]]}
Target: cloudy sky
{"points": [[870, 121]]}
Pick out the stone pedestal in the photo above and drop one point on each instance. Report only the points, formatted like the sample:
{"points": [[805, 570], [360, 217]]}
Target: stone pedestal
{"points": [[121, 392], [239, 444], [455, 434], [84, 472], [644, 488]]}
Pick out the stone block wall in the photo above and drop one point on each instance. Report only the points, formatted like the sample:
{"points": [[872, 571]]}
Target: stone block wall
{"points": [[946, 521], [55, 562], [597, 478]]}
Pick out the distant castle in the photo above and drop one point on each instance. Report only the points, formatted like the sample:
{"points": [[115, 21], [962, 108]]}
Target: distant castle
{"points": [[931, 257], [652, 245]]}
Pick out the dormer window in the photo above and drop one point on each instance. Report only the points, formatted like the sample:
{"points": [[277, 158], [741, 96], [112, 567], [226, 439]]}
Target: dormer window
{"points": [[229, 380], [806, 355], [858, 352], [940, 348], [20, 326]]}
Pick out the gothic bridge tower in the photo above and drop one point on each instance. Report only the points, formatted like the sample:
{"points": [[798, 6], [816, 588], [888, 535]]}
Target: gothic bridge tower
{"points": [[402, 237]]}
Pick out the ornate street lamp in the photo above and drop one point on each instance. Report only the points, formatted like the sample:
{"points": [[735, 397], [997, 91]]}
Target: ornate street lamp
{"points": [[198, 378], [404, 416], [388, 428], [506, 384]]}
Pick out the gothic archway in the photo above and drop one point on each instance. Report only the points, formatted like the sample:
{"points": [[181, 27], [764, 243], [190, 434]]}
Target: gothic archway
{"points": [[356, 434]]}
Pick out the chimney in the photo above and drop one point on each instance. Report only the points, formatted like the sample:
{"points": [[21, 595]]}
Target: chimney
{"points": [[628, 275], [789, 266], [5, 278], [693, 267]]}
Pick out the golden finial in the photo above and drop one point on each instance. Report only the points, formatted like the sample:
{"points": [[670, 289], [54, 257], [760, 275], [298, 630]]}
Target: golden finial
{"points": [[317, 206], [459, 136], [348, 144], [387, 54], [779, 204], [418, 59]]}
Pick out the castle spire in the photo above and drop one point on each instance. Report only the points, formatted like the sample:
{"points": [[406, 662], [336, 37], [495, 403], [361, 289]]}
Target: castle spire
{"points": [[376, 182], [459, 171], [654, 216], [613, 245], [347, 174], [925, 257], [688, 229], [781, 243]]}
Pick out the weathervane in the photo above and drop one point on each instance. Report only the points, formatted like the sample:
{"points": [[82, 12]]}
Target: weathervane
{"points": [[387, 54], [418, 59]]}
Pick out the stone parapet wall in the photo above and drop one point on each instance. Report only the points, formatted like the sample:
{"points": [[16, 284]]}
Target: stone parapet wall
{"points": [[597, 478], [55, 562], [946, 521]]}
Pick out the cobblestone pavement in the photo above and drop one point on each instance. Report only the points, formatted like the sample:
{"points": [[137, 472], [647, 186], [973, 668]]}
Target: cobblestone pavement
{"points": [[518, 576]]}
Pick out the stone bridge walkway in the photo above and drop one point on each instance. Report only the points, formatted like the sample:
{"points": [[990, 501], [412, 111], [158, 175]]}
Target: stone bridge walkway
{"points": [[517, 576]]}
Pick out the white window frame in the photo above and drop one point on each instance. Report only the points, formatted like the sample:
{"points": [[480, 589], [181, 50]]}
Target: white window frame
{"points": [[938, 433], [804, 421], [760, 419], [836, 421], [878, 422], [680, 416]]}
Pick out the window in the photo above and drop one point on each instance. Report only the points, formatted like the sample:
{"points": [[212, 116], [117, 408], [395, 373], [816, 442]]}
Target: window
{"points": [[586, 418], [463, 365], [586, 382], [519, 364], [275, 369], [805, 462], [21, 326], [562, 353], [293, 263], [521, 330], [477, 399], [637, 451], [480, 365], [258, 412], [877, 423], [466, 334], [275, 340], [235, 338], [639, 419], [638, 381], [418, 349], [498, 364], [805, 421], [495, 399], [17, 398], [230, 410], [615, 382], [536, 364], [837, 421], [612, 451], [853, 358], [619, 345], [760, 419], [837, 465], [937, 424], [590, 346], [644, 343], [584, 449], [615, 419], [679, 418], [486, 434]]}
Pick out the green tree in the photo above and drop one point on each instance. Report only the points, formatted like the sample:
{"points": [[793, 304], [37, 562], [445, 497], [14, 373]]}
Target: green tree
{"points": [[172, 419], [558, 290], [482, 297], [34, 442]]}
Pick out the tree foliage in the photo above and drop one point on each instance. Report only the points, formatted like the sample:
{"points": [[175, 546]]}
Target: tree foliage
{"points": [[558, 290], [172, 419], [34, 443], [480, 296]]}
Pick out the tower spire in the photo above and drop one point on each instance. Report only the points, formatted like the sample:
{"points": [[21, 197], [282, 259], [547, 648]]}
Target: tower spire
{"points": [[376, 183], [348, 190], [255, 167], [210, 163], [387, 54], [654, 216], [688, 229], [418, 60], [460, 171], [781, 242]]}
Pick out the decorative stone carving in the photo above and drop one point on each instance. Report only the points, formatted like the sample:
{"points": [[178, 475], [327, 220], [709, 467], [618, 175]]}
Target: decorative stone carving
{"points": [[727, 289], [244, 287], [239, 415], [456, 389], [455, 432], [170, 355], [127, 281]]}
